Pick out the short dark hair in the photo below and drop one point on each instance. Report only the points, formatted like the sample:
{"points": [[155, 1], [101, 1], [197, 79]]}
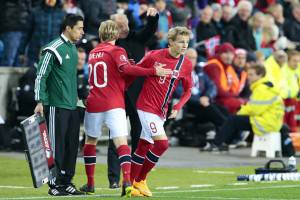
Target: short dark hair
{"points": [[70, 20], [258, 68]]}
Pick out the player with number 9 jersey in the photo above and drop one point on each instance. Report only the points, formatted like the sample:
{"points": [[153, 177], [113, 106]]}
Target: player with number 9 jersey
{"points": [[153, 103]]}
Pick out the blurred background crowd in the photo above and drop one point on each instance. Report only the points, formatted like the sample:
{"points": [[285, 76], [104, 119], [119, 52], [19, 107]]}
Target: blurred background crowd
{"points": [[228, 36]]}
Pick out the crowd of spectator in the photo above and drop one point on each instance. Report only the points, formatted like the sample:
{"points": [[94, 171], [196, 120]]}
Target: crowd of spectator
{"points": [[228, 37]]}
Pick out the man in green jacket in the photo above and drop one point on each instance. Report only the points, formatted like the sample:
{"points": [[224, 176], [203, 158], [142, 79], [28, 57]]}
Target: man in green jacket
{"points": [[56, 96]]}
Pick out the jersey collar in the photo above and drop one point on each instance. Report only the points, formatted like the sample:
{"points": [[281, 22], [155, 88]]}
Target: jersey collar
{"points": [[64, 37]]}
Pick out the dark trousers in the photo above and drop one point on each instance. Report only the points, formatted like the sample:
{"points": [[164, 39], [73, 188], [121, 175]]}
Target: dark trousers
{"points": [[232, 126], [113, 164], [63, 128], [211, 113]]}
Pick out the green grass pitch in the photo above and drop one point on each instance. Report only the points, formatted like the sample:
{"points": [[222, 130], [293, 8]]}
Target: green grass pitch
{"points": [[165, 183]]}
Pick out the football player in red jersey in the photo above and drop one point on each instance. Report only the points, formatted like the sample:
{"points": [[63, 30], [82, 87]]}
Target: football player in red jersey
{"points": [[153, 102], [108, 67]]}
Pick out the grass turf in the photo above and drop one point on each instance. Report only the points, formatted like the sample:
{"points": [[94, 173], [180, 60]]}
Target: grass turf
{"points": [[183, 184]]}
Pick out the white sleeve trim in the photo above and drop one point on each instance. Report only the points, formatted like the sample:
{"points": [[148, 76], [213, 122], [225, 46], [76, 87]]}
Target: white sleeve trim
{"points": [[55, 52]]}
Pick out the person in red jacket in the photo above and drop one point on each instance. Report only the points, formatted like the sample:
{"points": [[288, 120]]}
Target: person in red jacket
{"points": [[220, 70]]}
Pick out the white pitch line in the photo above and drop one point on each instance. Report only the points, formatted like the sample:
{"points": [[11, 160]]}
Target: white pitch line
{"points": [[51, 197], [173, 191], [241, 183], [230, 189], [167, 188], [213, 172], [216, 197], [15, 187], [201, 186]]}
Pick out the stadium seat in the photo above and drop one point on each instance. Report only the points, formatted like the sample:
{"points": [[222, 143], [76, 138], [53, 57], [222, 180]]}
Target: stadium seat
{"points": [[269, 143]]}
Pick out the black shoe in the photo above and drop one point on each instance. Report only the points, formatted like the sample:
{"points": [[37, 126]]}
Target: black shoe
{"points": [[87, 189], [114, 185], [126, 189], [57, 191], [71, 189]]}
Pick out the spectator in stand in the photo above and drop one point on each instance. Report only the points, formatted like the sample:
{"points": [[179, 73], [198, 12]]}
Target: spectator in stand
{"points": [[165, 23], [205, 30], [291, 76], [276, 11], [291, 27], [262, 5], [227, 14], [71, 8], [263, 114], [201, 104], [42, 27], [216, 18], [288, 7], [221, 72], [239, 66], [257, 26], [13, 22], [263, 27], [95, 12], [180, 14], [260, 57], [239, 32]]}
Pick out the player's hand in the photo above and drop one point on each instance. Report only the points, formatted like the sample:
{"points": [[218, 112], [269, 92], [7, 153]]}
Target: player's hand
{"points": [[173, 114], [39, 109], [131, 61], [151, 12], [204, 101], [160, 71]]}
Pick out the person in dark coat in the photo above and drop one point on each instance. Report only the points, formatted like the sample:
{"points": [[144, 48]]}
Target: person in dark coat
{"points": [[134, 42], [42, 27], [13, 22], [239, 32], [291, 26]]}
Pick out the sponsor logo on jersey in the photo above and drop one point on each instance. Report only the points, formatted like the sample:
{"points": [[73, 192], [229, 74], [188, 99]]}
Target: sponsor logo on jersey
{"points": [[123, 58]]}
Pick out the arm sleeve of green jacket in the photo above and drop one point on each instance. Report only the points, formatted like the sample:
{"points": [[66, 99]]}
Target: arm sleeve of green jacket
{"points": [[259, 102], [44, 68]]}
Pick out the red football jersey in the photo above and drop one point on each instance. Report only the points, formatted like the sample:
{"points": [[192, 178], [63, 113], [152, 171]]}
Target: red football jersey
{"points": [[107, 83], [157, 91]]}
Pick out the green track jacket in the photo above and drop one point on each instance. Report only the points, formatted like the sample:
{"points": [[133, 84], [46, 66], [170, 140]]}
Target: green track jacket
{"points": [[56, 80]]}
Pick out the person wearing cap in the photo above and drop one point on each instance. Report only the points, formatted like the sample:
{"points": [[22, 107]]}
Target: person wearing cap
{"points": [[220, 70]]}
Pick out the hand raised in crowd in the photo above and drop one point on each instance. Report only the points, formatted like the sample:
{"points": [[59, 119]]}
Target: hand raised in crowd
{"points": [[160, 71], [151, 12], [173, 114], [204, 101]]}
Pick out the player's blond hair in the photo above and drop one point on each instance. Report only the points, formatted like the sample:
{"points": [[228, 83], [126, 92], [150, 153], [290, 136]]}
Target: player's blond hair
{"points": [[108, 31], [178, 30]]}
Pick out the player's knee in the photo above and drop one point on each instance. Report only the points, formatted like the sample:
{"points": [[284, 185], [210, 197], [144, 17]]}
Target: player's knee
{"points": [[90, 140], [161, 145]]}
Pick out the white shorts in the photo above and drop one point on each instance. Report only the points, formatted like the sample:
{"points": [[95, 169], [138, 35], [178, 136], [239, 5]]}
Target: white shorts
{"points": [[114, 119], [152, 125]]}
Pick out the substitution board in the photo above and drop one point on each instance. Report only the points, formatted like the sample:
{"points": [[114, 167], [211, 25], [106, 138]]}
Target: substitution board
{"points": [[38, 149]]}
